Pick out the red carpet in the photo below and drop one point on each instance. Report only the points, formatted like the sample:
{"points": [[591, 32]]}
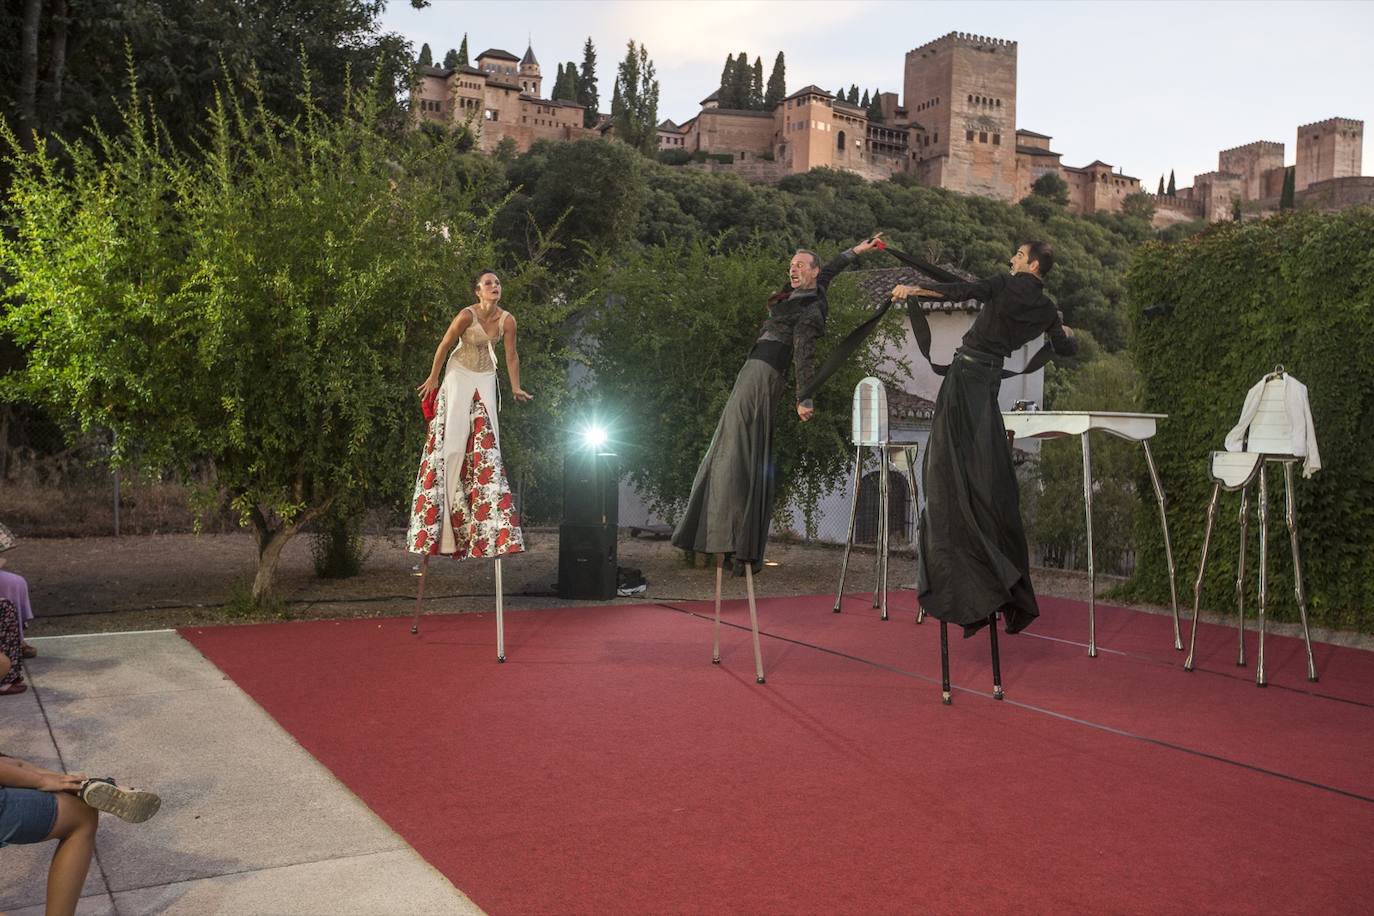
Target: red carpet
{"points": [[610, 768]]}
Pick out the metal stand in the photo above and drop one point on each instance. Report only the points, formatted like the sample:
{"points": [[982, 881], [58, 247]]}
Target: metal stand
{"points": [[882, 544], [420, 597], [1300, 594]]}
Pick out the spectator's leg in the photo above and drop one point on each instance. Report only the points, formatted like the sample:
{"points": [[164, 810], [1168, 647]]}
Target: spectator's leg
{"points": [[75, 835]]}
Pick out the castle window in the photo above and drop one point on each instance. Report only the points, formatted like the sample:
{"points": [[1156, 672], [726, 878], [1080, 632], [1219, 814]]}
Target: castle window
{"points": [[996, 139], [969, 136], [999, 103], [839, 142], [982, 136], [970, 100]]}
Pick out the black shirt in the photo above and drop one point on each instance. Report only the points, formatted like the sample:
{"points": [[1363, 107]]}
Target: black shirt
{"points": [[1015, 312], [794, 324]]}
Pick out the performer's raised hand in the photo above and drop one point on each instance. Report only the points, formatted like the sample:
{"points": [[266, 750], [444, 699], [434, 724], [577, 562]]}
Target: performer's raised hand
{"points": [[805, 413], [428, 387], [868, 244]]}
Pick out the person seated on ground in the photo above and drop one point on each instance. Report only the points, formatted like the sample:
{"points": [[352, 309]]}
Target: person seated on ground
{"points": [[37, 805], [11, 650], [14, 587]]}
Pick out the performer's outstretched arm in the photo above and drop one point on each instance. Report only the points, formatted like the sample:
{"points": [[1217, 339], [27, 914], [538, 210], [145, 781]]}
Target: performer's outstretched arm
{"points": [[513, 360]]}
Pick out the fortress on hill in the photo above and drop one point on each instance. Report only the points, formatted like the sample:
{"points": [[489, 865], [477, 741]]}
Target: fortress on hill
{"points": [[954, 127]]}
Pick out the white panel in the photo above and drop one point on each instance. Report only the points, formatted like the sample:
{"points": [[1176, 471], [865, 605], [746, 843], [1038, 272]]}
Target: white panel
{"points": [[1270, 431], [869, 421]]}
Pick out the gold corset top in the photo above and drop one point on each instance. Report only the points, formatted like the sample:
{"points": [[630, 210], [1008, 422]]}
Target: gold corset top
{"points": [[475, 348]]}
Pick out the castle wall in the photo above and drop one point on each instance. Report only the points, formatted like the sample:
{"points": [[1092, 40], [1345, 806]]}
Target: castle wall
{"points": [[808, 133], [723, 130], [1337, 193], [1251, 162], [1328, 149]]}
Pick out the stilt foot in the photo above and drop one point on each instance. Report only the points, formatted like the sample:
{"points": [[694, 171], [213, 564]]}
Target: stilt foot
{"points": [[836, 608], [1092, 653], [946, 699], [414, 630], [716, 660], [501, 659], [997, 694], [884, 616], [1261, 683], [1312, 678], [1241, 664], [759, 680]]}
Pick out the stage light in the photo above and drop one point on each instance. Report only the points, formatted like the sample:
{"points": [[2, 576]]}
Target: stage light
{"points": [[594, 436]]}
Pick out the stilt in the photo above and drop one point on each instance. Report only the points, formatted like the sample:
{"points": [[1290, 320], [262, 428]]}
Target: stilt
{"points": [[720, 570], [853, 520], [1298, 592], [1201, 570], [1263, 571], [996, 658], [879, 548], [909, 452], [500, 621], [1092, 569], [420, 597], [1240, 577], [1168, 548], [944, 664], [753, 621]]}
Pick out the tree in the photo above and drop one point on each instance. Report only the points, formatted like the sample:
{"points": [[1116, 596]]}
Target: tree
{"points": [[1287, 195], [212, 294], [586, 85], [1160, 192], [756, 85], [451, 60], [463, 52], [426, 58], [853, 96], [865, 101], [557, 84], [635, 107], [1051, 187], [1236, 212], [725, 94], [1138, 205], [1172, 190], [740, 78], [875, 108], [570, 75], [777, 84]]}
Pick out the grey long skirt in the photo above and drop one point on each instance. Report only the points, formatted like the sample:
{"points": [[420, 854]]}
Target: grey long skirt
{"points": [[731, 505]]}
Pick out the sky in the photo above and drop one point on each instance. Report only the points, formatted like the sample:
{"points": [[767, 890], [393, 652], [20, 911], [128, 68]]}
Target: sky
{"points": [[1147, 87]]}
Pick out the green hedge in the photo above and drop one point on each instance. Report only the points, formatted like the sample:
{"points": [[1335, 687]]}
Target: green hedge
{"points": [[1297, 289]]}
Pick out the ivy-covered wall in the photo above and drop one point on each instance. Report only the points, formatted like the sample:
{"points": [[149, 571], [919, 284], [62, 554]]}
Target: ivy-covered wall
{"points": [[1297, 289]]}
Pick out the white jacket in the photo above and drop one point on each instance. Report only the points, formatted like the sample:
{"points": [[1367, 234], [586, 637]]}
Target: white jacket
{"points": [[1303, 435]]}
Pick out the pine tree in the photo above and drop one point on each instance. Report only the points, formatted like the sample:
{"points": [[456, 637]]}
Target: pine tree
{"points": [[875, 108], [570, 81], [777, 84], [451, 59], [463, 51], [1172, 189], [426, 57], [853, 97], [865, 101], [635, 105], [756, 85], [739, 81], [586, 85], [840, 94], [727, 82], [1289, 189], [1160, 192], [555, 92]]}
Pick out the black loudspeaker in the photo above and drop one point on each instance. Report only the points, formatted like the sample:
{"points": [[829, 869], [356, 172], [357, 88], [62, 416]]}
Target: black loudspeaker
{"points": [[591, 488], [586, 561]]}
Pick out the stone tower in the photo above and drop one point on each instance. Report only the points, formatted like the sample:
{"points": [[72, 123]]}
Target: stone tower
{"points": [[1328, 149], [529, 72], [1253, 162], [961, 89]]}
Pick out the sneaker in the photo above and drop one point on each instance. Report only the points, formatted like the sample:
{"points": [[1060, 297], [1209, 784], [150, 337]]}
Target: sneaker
{"points": [[132, 805]]}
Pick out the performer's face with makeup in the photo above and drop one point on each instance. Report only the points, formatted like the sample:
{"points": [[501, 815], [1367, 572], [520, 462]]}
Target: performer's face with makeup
{"points": [[1020, 264], [489, 288], [803, 270]]}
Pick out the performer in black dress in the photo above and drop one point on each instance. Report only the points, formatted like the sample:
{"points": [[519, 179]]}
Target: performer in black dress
{"points": [[731, 503], [973, 561]]}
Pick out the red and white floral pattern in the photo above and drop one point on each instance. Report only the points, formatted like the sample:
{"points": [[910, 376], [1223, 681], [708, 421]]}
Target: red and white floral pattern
{"points": [[483, 515]]}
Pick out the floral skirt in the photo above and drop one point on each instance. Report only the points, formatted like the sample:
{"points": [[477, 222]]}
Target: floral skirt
{"points": [[463, 505]]}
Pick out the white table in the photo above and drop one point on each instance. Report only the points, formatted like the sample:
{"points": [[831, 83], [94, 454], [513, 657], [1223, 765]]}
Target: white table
{"points": [[1137, 427]]}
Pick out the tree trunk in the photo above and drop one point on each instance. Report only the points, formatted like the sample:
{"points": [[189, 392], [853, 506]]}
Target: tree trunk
{"points": [[28, 71], [57, 65], [271, 541]]}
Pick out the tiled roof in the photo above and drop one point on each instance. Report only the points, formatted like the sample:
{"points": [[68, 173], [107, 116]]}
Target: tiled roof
{"points": [[877, 284], [1021, 132], [498, 54], [1035, 151], [903, 405]]}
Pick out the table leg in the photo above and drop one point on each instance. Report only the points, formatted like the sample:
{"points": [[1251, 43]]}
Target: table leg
{"points": [[1092, 572], [1168, 548]]}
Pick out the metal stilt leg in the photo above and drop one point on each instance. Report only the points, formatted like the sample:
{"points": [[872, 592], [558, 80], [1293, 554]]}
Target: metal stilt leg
{"points": [[420, 596], [885, 535], [1168, 548], [1263, 570], [500, 619], [1240, 577], [944, 664], [882, 524], [1298, 592], [1092, 572], [753, 621], [853, 520], [720, 570], [909, 452], [996, 659], [1201, 570]]}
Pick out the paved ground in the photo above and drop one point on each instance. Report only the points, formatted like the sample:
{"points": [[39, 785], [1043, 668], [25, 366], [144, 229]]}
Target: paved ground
{"points": [[250, 823]]}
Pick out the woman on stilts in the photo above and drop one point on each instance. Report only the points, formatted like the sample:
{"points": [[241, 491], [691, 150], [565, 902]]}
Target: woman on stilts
{"points": [[973, 562], [731, 504], [463, 505]]}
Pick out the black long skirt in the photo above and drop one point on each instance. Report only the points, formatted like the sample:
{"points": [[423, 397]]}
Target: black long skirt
{"points": [[973, 558], [731, 505]]}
